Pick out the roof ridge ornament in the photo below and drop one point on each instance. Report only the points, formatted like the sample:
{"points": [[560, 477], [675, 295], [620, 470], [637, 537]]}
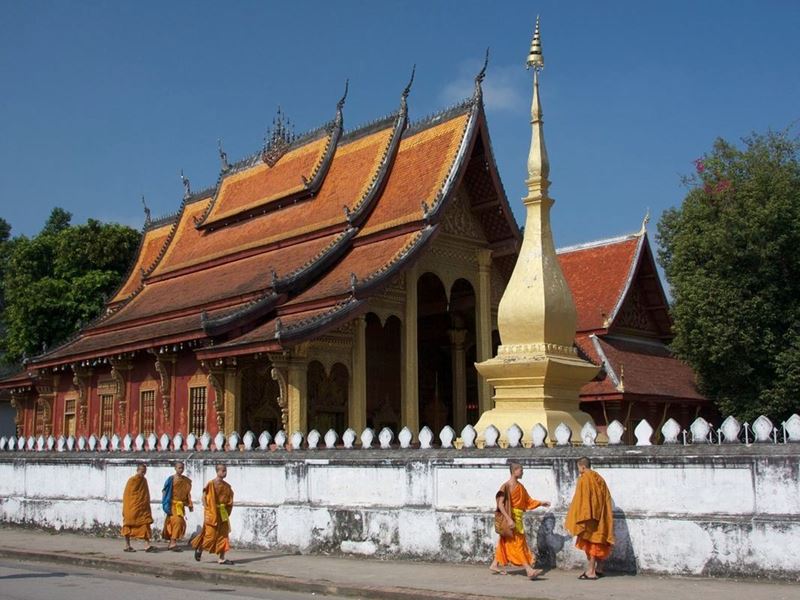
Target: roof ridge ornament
{"points": [[187, 187], [340, 104], [223, 157], [278, 138], [645, 221], [481, 75], [147, 219], [407, 89]]}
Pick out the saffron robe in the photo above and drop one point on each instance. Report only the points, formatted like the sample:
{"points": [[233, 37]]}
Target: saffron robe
{"points": [[216, 524], [136, 514], [590, 516], [177, 498], [515, 550]]}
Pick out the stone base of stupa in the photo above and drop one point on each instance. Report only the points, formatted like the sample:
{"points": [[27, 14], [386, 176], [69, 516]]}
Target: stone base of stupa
{"points": [[535, 388]]}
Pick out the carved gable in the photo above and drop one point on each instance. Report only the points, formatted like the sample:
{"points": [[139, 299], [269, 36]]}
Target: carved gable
{"points": [[459, 221]]}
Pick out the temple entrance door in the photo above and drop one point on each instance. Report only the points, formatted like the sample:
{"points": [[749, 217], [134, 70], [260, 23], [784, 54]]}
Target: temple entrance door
{"points": [[383, 372], [327, 397], [260, 410], [433, 347]]}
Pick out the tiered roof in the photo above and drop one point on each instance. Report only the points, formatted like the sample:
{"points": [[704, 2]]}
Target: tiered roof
{"points": [[291, 241], [623, 321]]}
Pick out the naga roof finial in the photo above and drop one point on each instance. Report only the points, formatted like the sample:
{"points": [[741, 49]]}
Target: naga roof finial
{"points": [[645, 221], [223, 156], [340, 104], [187, 188], [535, 56], [407, 89], [146, 212], [482, 73]]}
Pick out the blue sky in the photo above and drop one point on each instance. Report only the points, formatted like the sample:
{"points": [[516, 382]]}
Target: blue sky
{"points": [[101, 102]]}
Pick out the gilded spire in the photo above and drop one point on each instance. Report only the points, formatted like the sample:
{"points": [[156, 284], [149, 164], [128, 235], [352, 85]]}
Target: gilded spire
{"points": [[538, 163], [535, 56]]}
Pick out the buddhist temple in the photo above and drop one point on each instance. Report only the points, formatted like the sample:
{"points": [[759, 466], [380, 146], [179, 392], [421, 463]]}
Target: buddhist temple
{"points": [[344, 278]]}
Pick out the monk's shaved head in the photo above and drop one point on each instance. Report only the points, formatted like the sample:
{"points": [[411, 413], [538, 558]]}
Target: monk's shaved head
{"points": [[513, 466], [141, 468], [222, 471], [179, 466], [584, 462]]}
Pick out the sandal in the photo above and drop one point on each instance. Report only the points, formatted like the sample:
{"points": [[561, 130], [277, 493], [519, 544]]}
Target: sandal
{"points": [[150, 549], [225, 562], [197, 554], [586, 577], [498, 571], [535, 576], [129, 549], [175, 549]]}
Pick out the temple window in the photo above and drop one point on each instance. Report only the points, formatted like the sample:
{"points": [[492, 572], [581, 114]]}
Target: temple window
{"points": [[106, 414], [38, 422], [197, 410], [69, 417], [148, 408]]}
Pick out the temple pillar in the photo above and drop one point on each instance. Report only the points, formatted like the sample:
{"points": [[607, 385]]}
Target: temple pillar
{"points": [[232, 395], [409, 400], [483, 324], [290, 370], [458, 356], [357, 403]]}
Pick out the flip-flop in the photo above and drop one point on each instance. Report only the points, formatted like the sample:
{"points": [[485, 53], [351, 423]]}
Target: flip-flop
{"points": [[225, 562], [129, 550], [197, 554], [535, 576], [498, 571], [584, 576], [175, 549]]}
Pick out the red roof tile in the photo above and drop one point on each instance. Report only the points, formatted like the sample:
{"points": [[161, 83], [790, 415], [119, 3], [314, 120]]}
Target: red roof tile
{"points": [[598, 275]]}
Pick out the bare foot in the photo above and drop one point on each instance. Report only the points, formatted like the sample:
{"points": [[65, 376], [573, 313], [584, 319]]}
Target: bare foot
{"points": [[497, 571], [533, 573]]}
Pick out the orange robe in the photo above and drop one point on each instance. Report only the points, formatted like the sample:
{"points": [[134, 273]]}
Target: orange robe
{"points": [[515, 550], [590, 516], [175, 523], [216, 525], [136, 514]]}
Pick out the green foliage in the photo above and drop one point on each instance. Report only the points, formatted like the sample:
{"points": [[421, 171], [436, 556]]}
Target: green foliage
{"points": [[730, 253], [59, 280]]}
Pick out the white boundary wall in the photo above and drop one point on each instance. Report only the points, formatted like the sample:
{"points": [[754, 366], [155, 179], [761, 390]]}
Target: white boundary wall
{"points": [[696, 510]]}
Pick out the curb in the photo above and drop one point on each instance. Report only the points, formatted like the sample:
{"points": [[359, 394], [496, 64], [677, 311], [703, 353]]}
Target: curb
{"points": [[243, 577]]}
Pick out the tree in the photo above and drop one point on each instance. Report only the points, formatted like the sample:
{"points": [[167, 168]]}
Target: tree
{"points": [[730, 253], [59, 279]]}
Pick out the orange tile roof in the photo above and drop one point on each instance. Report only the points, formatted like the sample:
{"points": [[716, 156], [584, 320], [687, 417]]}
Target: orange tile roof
{"points": [[151, 244], [261, 185], [418, 174], [350, 175], [598, 275], [233, 280]]}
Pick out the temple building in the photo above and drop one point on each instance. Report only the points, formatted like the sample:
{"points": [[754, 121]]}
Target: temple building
{"points": [[344, 279]]}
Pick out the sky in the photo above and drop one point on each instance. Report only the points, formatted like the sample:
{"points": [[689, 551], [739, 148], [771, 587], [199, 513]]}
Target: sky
{"points": [[103, 102]]}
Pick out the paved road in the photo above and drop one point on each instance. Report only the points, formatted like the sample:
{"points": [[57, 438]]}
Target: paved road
{"points": [[42, 581]]}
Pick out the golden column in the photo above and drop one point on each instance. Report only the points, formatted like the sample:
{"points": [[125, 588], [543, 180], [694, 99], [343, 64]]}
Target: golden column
{"points": [[537, 373]]}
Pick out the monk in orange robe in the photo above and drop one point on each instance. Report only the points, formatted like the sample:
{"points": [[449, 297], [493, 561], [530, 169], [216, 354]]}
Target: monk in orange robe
{"points": [[218, 504], [512, 548], [136, 514], [591, 519], [176, 498]]}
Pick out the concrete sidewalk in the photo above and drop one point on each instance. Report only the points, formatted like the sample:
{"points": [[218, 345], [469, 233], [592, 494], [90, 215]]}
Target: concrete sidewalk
{"points": [[366, 578]]}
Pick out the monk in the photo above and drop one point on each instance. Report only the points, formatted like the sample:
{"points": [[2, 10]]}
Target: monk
{"points": [[175, 499], [217, 505], [136, 514], [511, 502], [591, 519]]}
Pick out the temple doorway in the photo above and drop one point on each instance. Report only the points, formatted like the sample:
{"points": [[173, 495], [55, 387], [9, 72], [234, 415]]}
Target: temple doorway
{"points": [[260, 410], [383, 345], [327, 397], [434, 360]]}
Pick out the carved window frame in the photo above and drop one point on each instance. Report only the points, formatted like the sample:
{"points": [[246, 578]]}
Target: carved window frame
{"points": [[197, 381], [148, 386], [71, 397]]}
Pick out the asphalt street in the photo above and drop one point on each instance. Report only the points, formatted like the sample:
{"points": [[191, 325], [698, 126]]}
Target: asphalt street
{"points": [[42, 581]]}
